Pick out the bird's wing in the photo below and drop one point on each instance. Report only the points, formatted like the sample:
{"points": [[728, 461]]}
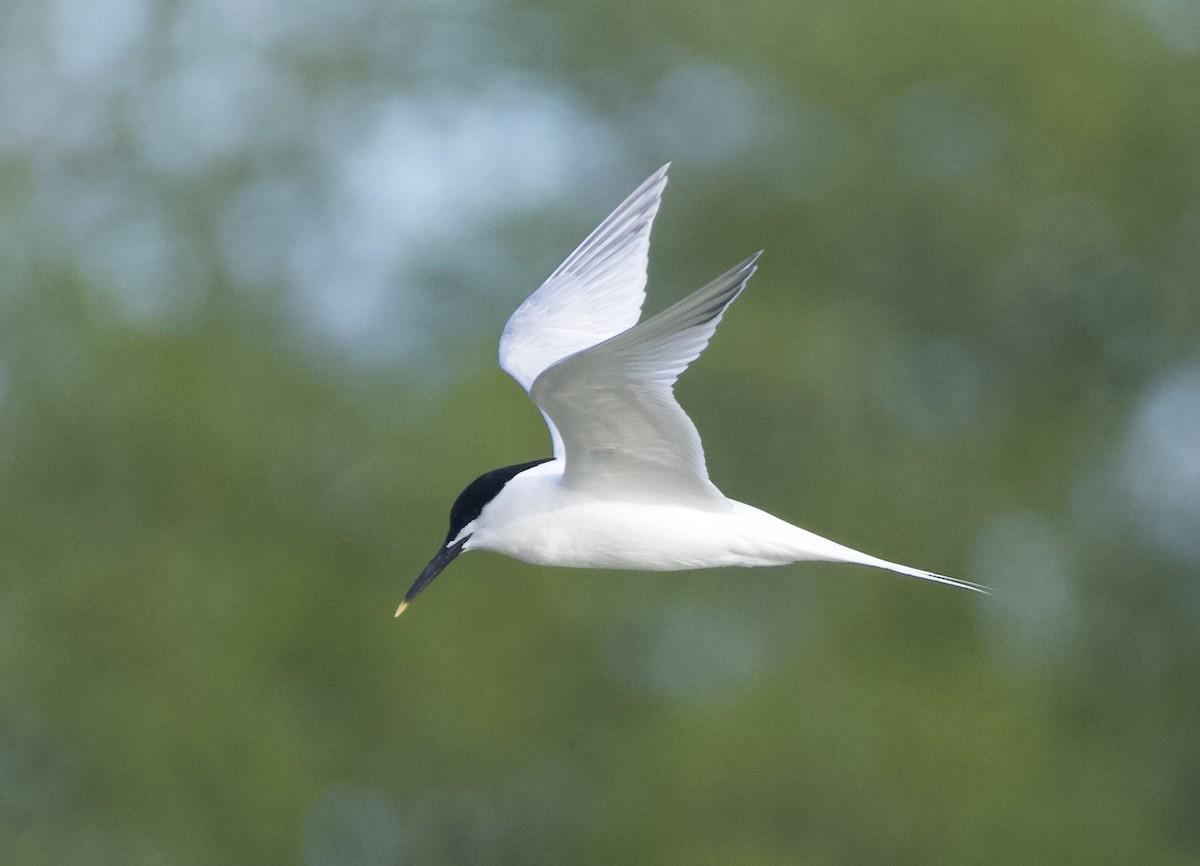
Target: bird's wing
{"points": [[596, 293], [624, 433]]}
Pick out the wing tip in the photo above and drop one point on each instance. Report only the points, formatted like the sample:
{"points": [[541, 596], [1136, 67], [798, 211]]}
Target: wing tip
{"points": [[657, 179], [740, 274]]}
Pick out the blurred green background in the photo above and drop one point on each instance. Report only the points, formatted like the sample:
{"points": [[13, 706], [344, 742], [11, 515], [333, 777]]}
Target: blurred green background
{"points": [[254, 261]]}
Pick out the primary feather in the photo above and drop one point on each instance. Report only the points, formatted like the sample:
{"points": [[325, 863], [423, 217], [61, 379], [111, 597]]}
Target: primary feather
{"points": [[614, 403]]}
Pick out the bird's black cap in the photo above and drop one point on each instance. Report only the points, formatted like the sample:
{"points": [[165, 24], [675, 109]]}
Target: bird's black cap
{"points": [[466, 508]]}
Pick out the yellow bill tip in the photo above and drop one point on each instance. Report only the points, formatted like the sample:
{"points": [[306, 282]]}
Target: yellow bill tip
{"points": [[401, 608]]}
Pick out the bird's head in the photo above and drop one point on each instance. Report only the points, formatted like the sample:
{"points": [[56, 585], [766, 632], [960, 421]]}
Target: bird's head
{"points": [[464, 514]]}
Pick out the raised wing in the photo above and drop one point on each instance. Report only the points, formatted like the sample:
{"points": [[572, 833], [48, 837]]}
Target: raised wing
{"points": [[614, 405], [596, 293]]}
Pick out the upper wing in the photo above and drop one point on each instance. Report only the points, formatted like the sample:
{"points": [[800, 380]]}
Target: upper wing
{"points": [[623, 431], [596, 293]]}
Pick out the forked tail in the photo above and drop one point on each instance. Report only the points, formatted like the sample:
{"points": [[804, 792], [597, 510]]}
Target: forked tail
{"points": [[918, 573], [811, 546]]}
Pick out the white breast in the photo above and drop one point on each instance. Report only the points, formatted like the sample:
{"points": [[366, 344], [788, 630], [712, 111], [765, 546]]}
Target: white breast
{"points": [[537, 520]]}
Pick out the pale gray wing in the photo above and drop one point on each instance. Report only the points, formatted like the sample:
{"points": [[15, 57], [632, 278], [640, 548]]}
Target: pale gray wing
{"points": [[624, 433], [596, 293]]}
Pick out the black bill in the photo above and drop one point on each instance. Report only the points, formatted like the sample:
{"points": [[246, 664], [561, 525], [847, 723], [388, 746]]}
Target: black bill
{"points": [[440, 560]]}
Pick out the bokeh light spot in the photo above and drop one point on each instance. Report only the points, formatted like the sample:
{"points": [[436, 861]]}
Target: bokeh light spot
{"points": [[349, 827], [1175, 22], [1162, 463], [934, 389], [684, 651], [1032, 615], [948, 133], [91, 38]]}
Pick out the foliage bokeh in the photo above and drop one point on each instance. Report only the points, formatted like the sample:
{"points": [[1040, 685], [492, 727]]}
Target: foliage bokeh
{"points": [[255, 261]]}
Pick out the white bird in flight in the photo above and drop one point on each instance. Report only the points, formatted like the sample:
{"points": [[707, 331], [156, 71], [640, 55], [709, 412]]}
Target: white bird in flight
{"points": [[627, 487]]}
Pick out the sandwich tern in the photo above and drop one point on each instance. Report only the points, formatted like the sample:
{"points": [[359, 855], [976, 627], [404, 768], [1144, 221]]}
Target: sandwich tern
{"points": [[627, 486]]}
